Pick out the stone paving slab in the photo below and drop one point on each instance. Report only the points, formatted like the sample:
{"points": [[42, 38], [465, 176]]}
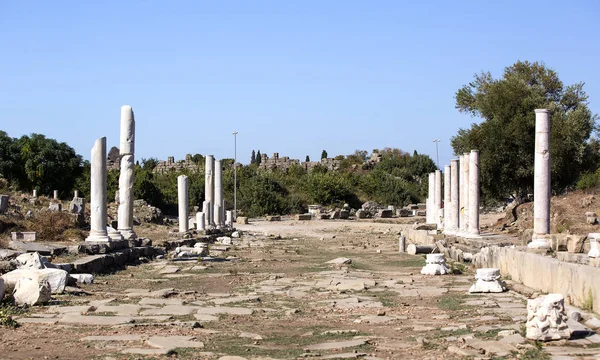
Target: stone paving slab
{"points": [[224, 310], [336, 345], [122, 309], [94, 320], [36, 320], [171, 310], [160, 301], [169, 343], [123, 337], [169, 270], [229, 300], [205, 317]]}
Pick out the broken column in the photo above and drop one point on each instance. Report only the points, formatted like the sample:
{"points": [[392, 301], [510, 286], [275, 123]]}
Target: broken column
{"points": [[126, 177], [447, 193], [200, 225], [473, 228], [209, 188], [547, 319], [435, 265], [219, 214], [34, 193], [454, 198], [488, 281], [438, 199], [55, 197], [206, 209], [98, 230], [182, 191], [541, 181], [594, 249], [229, 219]]}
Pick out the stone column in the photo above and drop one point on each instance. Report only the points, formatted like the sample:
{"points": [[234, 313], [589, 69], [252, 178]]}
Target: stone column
{"points": [[55, 195], [454, 198], [541, 181], [438, 199], [430, 199], [126, 177], [461, 194], [209, 188], [465, 206], [447, 197], [182, 191], [474, 193], [200, 225], [34, 193], [75, 194], [219, 214], [98, 193], [229, 218]]}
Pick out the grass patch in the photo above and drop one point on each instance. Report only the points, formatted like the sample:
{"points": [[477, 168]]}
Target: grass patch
{"points": [[7, 311], [535, 354], [588, 304], [452, 302]]}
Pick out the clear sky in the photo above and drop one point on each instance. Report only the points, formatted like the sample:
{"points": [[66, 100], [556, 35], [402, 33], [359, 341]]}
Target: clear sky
{"points": [[293, 77]]}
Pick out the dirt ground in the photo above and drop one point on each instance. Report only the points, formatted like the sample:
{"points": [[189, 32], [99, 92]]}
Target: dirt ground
{"points": [[272, 295]]}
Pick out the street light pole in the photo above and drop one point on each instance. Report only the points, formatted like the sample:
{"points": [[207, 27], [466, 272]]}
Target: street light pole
{"points": [[235, 174], [437, 153]]}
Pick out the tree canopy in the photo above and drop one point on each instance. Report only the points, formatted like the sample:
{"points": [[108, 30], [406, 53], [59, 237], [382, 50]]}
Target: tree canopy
{"points": [[506, 135]]}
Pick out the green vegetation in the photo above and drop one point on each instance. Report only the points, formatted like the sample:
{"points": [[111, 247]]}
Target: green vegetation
{"points": [[452, 302], [506, 136], [44, 164], [7, 311]]}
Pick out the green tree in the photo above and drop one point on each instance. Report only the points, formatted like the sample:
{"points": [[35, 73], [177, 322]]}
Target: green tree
{"points": [[506, 136], [323, 154], [258, 157], [253, 157], [307, 158], [48, 165], [9, 158]]}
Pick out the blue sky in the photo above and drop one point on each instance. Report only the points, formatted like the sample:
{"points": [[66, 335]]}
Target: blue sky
{"points": [[293, 77]]}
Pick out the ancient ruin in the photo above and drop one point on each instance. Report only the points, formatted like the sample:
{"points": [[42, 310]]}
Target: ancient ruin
{"points": [[126, 178], [541, 185], [547, 319], [98, 231], [488, 281]]}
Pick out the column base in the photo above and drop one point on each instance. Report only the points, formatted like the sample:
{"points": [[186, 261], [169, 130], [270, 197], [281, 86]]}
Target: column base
{"points": [[128, 234], [472, 236], [540, 242], [451, 232], [113, 234], [98, 236]]}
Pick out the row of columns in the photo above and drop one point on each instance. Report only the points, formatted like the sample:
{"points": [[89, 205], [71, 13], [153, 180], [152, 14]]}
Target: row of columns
{"points": [[460, 213], [213, 208], [99, 231]]}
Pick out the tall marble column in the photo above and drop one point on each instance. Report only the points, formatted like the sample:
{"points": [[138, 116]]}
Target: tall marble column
{"points": [[430, 199], [461, 195], [98, 193], [454, 197], [229, 218], [541, 181], [465, 208], [474, 193], [438, 198], [219, 214], [447, 197], [126, 177], [182, 192], [209, 188]]}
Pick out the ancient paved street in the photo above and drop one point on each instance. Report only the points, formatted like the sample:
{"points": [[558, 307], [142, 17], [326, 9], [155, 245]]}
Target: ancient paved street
{"points": [[276, 296]]}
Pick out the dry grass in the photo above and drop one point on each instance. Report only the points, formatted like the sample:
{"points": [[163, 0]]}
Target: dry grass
{"points": [[53, 226]]}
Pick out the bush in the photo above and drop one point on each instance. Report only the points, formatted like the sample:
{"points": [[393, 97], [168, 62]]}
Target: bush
{"points": [[587, 181]]}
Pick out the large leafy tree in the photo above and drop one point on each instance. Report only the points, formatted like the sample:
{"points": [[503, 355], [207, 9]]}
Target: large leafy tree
{"points": [[47, 164], [506, 135]]}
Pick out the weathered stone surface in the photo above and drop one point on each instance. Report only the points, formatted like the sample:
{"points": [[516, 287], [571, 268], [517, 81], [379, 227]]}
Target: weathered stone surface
{"points": [[414, 249], [241, 220], [428, 227], [82, 278], [273, 218], [385, 213], [123, 337], [303, 217], [224, 310], [31, 292], [34, 247], [77, 319], [171, 310], [336, 345], [436, 265], [56, 278], [24, 236], [547, 319], [173, 342], [162, 301], [3, 203], [339, 261], [32, 261], [2, 289], [488, 281]]}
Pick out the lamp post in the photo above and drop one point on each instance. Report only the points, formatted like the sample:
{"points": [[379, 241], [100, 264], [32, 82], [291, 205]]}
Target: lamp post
{"points": [[235, 174], [437, 154]]}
